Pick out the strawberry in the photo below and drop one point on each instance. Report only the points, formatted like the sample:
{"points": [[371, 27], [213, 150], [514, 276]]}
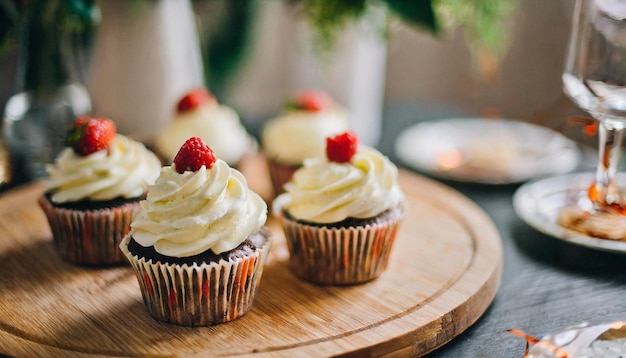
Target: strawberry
{"points": [[89, 135], [192, 155], [341, 148], [312, 101], [194, 99]]}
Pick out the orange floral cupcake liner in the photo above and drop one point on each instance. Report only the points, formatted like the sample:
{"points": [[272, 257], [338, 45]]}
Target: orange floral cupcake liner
{"points": [[198, 295], [89, 237], [340, 255]]}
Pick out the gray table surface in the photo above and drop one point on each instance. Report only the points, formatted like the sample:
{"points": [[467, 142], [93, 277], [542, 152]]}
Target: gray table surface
{"points": [[547, 284]]}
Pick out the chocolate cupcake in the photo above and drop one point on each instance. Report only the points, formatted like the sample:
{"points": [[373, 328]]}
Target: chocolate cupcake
{"points": [[341, 214], [93, 191], [198, 245], [299, 132]]}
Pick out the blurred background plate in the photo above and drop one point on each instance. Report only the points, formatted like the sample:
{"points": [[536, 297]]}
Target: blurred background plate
{"points": [[538, 203], [489, 151]]}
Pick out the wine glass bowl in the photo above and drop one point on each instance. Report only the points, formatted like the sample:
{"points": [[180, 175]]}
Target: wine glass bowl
{"points": [[595, 79], [589, 209], [595, 69]]}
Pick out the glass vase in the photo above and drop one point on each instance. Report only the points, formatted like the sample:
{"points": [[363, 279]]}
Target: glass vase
{"points": [[49, 95]]}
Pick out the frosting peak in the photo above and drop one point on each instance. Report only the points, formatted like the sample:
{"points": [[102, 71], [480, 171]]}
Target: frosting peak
{"points": [[189, 213], [328, 192], [125, 170]]}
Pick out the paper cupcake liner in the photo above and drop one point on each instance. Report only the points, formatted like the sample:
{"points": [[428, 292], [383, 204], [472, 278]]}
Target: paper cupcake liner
{"points": [[198, 295], [279, 174], [339, 256], [89, 237]]}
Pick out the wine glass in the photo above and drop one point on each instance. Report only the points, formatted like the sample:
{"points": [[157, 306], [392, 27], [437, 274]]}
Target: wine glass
{"points": [[595, 79]]}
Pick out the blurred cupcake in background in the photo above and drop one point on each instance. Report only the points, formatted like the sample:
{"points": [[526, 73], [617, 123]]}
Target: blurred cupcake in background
{"points": [[300, 132], [199, 114], [341, 213], [93, 191]]}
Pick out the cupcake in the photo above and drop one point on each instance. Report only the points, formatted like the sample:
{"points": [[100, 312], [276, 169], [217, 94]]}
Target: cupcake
{"points": [[341, 213], [299, 132], [199, 243], [93, 190], [198, 114]]}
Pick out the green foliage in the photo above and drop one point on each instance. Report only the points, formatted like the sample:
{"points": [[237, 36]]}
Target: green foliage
{"points": [[328, 17], [224, 51], [47, 31], [418, 13], [77, 17], [484, 21], [9, 20], [85, 11]]}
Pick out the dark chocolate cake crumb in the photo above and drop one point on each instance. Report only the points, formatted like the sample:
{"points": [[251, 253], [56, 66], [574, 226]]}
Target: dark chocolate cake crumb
{"points": [[353, 222], [250, 245], [92, 204]]}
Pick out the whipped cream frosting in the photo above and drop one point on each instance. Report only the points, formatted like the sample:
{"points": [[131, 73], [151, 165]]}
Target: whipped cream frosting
{"points": [[125, 171], [328, 192], [299, 134], [189, 213], [218, 125]]}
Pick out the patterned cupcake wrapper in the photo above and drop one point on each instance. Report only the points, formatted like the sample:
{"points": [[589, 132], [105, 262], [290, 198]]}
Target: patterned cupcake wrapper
{"points": [[279, 175], [339, 256], [89, 237], [198, 295]]}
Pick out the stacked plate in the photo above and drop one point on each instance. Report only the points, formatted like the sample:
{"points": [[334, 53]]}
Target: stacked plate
{"points": [[501, 151]]}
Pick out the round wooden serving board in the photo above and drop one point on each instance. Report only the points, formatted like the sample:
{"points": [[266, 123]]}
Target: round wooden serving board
{"points": [[444, 272]]}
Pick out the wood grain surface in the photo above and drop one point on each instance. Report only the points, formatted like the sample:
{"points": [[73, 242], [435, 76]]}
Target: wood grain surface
{"points": [[444, 273]]}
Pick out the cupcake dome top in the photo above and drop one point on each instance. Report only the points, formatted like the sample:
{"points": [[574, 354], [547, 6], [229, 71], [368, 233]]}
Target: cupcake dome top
{"points": [[99, 164], [205, 206], [300, 131], [326, 190], [198, 113]]}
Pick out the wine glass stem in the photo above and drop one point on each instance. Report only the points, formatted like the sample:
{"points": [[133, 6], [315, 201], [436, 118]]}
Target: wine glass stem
{"points": [[610, 136]]}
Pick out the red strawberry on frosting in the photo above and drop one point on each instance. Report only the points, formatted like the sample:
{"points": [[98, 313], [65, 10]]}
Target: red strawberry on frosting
{"points": [[193, 154], [194, 99], [312, 101], [341, 148], [89, 135]]}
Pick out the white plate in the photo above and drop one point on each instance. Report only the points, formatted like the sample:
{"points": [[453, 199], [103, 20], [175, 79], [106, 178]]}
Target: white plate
{"points": [[538, 203], [490, 151]]}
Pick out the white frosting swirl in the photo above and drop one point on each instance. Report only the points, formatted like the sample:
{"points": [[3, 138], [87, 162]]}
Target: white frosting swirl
{"points": [[219, 126], [125, 171], [189, 213], [298, 134], [329, 192]]}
